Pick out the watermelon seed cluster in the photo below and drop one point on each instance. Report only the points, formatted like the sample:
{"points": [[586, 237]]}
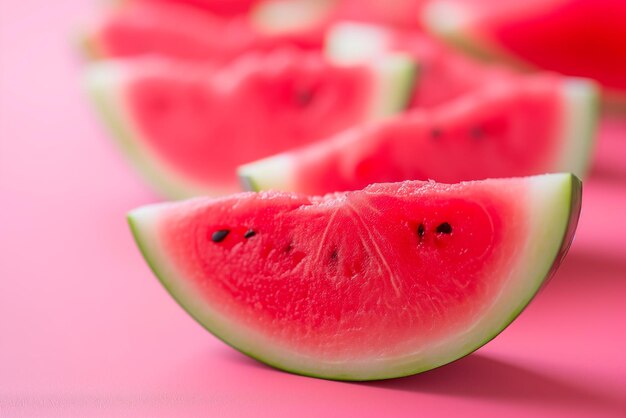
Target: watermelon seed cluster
{"points": [[221, 234]]}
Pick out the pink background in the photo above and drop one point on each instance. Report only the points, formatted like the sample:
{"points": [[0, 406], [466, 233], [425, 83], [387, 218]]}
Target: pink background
{"points": [[85, 329]]}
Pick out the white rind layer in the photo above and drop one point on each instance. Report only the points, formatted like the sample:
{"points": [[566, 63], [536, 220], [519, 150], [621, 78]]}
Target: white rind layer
{"points": [[272, 173], [552, 209], [580, 98], [293, 16], [394, 76], [352, 43]]}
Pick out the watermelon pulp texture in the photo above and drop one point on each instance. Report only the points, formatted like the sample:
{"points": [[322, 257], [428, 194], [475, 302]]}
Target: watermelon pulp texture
{"points": [[540, 124], [385, 282], [188, 126], [444, 74], [159, 27], [575, 37]]}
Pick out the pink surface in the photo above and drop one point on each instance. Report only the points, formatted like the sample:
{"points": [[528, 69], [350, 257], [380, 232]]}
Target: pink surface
{"points": [[85, 329]]}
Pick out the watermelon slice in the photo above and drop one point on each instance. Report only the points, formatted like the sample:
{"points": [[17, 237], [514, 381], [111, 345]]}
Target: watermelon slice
{"points": [[389, 281], [187, 126], [540, 124], [159, 27], [575, 37], [444, 73]]}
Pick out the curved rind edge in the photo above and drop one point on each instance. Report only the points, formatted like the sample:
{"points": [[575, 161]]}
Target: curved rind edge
{"points": [[459, 32], [275, 172], [104, 84], [581, 115], [558, 224], [394, 79]]}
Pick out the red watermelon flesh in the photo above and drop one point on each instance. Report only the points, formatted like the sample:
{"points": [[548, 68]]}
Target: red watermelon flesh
{"points": [[217, 7], [444, 74], [188, 126], [384, 282], [169, 29], [540, 124], [575, 37]]}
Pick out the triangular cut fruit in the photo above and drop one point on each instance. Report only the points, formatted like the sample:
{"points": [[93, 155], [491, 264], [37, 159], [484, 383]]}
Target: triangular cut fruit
{"points": [[575, 37], [141, 28], [389, 281], [188, 126], [539, 125]]}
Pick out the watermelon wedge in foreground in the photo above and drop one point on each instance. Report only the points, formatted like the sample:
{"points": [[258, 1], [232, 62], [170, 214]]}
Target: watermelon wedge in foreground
{"points": [[188, 126], [389, 281], [541, 124]]}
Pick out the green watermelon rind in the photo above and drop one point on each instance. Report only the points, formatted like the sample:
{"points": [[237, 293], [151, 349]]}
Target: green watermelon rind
{"points": [[581, 100], [395, 75], [105, 83], [554, 204]]}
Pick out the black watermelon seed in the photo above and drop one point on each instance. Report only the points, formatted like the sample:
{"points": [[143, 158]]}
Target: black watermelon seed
{"points": [[303, 97], [219, 235], [444, 228], [249, 233], [420, 231], [334, 255], [476, 132], [436, 133], [288, 248]]}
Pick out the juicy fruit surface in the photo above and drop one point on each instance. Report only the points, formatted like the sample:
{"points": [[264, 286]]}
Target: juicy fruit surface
{"points": [[575, 37], [419, 261], [500, 131], [202, 123], [388, 281]]}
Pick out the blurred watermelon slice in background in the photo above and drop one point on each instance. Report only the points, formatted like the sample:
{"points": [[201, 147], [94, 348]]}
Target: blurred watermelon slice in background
{"points": [[187, 126], [540, 124], [584, 38], [178, 31], [444, 73]]}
